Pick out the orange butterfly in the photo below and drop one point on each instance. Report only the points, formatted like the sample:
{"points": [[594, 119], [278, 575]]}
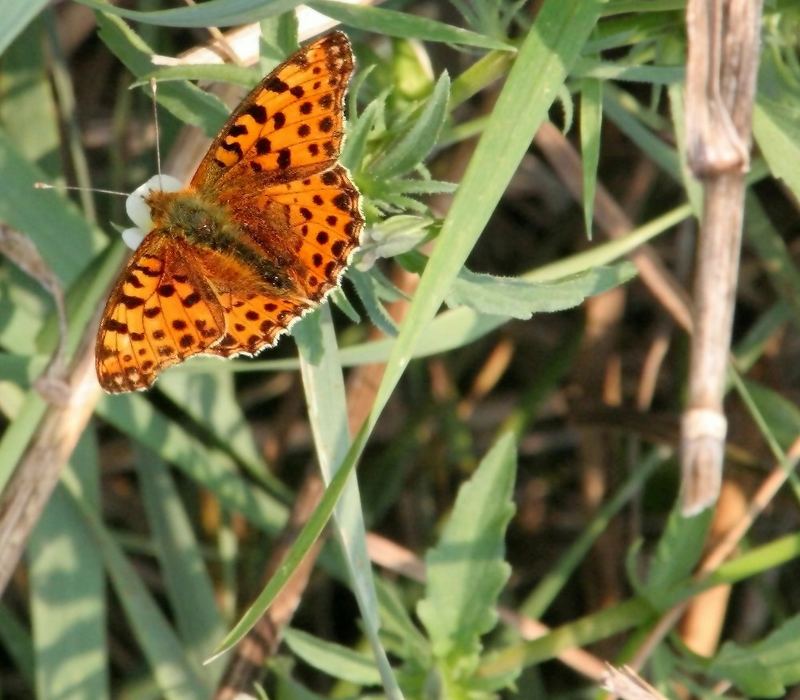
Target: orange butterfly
{"points": [[262, 233]]}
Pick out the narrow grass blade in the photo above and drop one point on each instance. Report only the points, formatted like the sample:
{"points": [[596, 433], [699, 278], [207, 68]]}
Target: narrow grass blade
{"points": [[175, 673], [404, 25], [327, 410], [17, 14], [209, 466], [591, 120], [188, 584], [539, 600], [214, 13], [552, 45]]}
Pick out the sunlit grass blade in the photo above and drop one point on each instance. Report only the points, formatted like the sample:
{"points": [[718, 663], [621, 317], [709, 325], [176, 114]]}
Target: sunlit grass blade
{"points": [[188, 584], [68, 603], [327, 411], [552, 44]]}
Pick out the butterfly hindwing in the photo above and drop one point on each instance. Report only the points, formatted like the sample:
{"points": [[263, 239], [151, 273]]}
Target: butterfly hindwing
{"points": [[324, 224], [159, 313]]}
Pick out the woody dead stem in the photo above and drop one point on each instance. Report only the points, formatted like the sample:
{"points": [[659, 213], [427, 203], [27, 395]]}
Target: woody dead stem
{"points": [[720, 86]]}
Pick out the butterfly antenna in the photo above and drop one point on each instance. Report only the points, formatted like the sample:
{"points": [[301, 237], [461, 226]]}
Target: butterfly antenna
{"points": [[48, 186], [158, 136]]}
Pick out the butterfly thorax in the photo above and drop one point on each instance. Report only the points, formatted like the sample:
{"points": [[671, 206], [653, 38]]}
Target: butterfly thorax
{"points": [[209, 227], [186, 213]]}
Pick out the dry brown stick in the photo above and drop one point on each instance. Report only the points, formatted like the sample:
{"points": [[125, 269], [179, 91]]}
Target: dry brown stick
{"points": [[720, 86], [625, 683], [37, 473]]}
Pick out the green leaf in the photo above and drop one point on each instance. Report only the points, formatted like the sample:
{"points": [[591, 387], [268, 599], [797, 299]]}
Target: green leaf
{"points": [[68, 248], [466, 569], [519, 298], [176, 675], [67, 591], [677, 554], [225, 73], [390, 237], [358, 132], [404, 25], [213, 13], [323, 384], [413, 145], [367, 289], [591, 122], [335, 660], [17, 14], [780, 414], [766, 668], [776, 131], [188, 585]]}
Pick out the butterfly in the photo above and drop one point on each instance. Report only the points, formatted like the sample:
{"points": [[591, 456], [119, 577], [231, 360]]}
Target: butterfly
{"points": [[261, 234]]}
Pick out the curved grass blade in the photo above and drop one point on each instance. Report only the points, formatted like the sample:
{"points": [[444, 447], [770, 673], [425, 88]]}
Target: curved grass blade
{"points": [[214, 13], [551, 47]]}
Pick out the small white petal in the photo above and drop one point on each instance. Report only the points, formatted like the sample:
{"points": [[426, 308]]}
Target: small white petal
{"points": [[132, 237], [137, 208]]}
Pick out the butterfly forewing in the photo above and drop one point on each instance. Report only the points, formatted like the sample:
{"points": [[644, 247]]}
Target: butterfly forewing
{"points": [[290, 125]]}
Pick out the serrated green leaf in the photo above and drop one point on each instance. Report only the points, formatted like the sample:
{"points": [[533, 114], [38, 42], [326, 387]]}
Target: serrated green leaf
{"points": [[467, 569], [413, 145], [519, 298], [766, 668], [333, 659], [340, 300]]}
